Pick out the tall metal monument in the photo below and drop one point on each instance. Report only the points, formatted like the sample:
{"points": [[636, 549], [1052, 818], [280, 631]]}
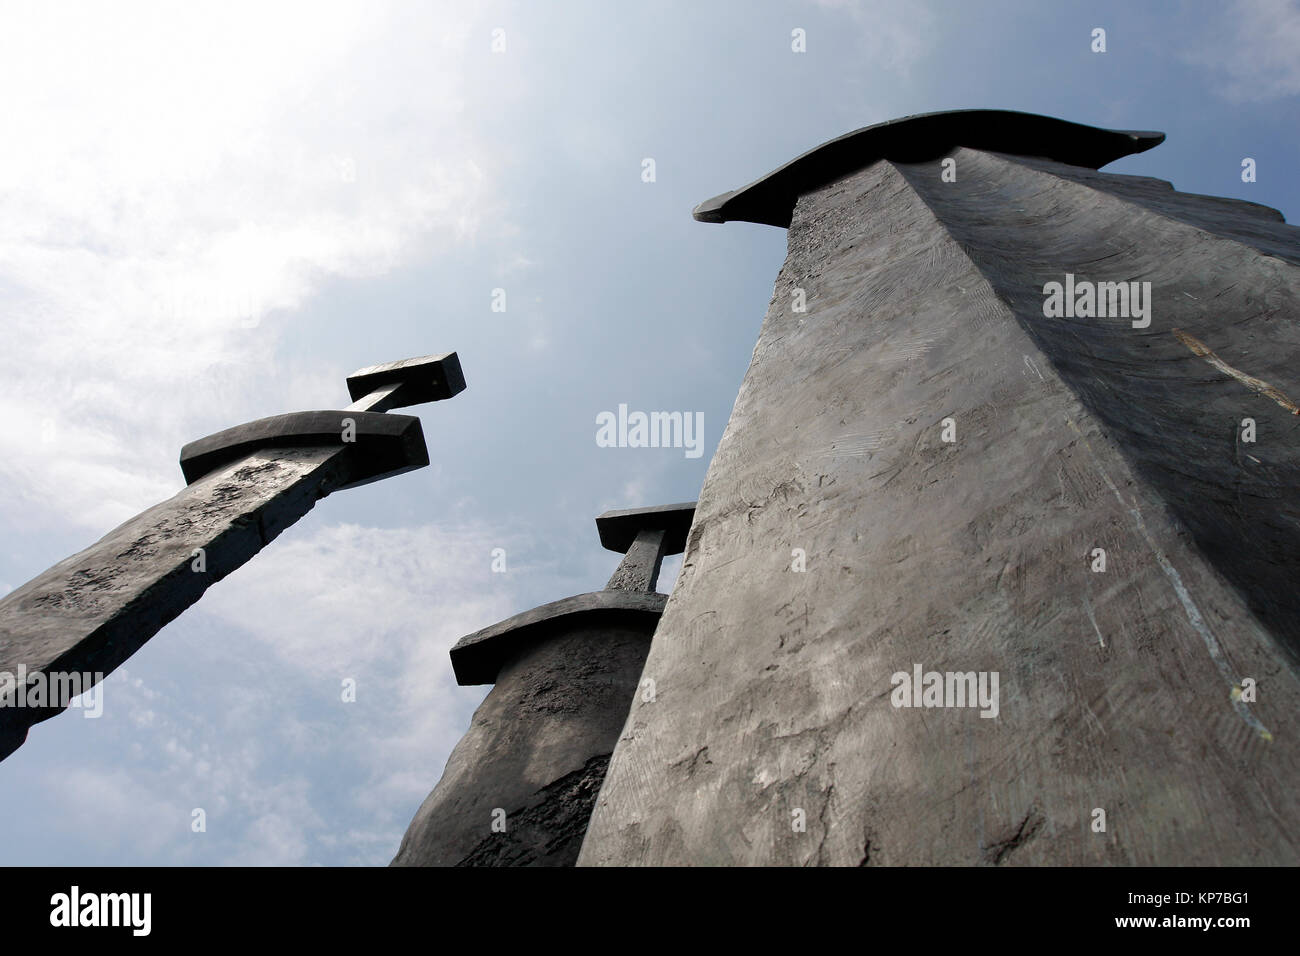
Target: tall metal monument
{"points": [[519, 786], [89, 613], [996, 560]]}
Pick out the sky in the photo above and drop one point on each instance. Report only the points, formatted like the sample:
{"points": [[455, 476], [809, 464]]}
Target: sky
{"points": [[210, 213]]}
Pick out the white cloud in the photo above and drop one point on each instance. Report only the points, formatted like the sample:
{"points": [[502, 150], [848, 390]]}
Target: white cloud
{"points": [[112, 811], [332, 599], [1253, 45], [173, 175]]}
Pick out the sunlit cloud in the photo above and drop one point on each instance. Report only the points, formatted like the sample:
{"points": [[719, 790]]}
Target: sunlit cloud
{"points": [[173, 180]]}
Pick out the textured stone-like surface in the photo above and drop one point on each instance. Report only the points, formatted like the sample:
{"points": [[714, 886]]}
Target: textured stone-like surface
{"points": [[536, 748], [1175, 417], [1117, 689], [92, 611], [639, 569], [381, 445], [549, 830]]}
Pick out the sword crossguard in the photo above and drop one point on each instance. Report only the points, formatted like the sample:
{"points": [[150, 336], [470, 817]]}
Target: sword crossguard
{"points": [[413, 381], [384, 445]]}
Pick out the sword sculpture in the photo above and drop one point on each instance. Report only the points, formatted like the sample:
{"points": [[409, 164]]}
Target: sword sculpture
{"points": [[73, 625], [996, 560], [519, 786]]}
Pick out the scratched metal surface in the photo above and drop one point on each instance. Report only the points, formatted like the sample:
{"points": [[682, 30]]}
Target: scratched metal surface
{"points": [[536, 749], [773, 686], [1172, 409], [93, 610]]}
